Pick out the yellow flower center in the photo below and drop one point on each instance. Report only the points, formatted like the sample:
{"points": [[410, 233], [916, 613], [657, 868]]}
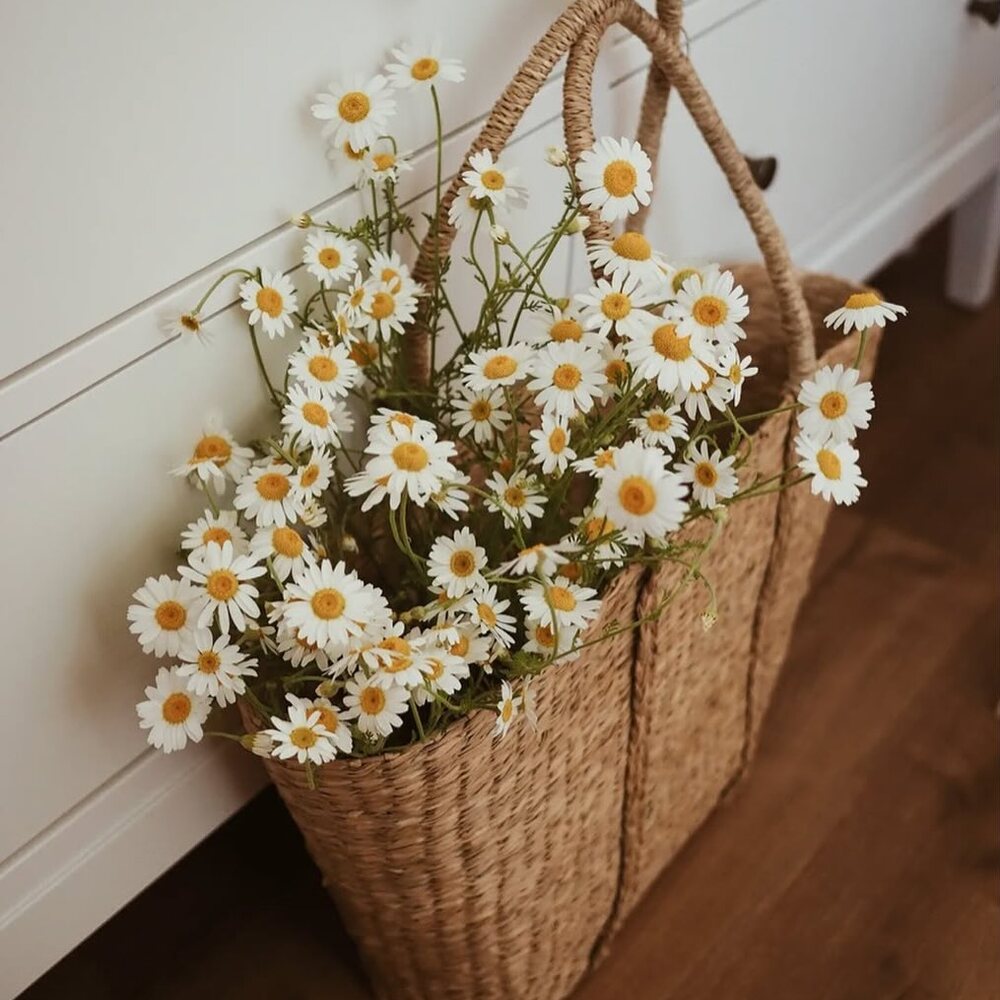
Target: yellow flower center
{"points": [[566, 377], [828, 463], [705, 474], [322, 368], [500, 366], [669, 344], [862, 300], [269, 301], [354, 154], [632, 246], [328, 603], [209, 661], [215, 447], [354, 106], [382, 305], [681, 276], [514, 496], [620, 178], [616, 305], [309, 475], [273, 486], [404, 420], [636, 495], [481, 409], [462, 563], [595, 528], [218, 535], [557, 440], [287, 542], [315, 414], [222, 584], [658, 421], [356, 297], [616, 371], [400, 658], [709, 379], [383, 161], [329, 257], [372, 700], [191, 323], [487, 615], [565, 329], [363, 353], [735, 373], [391, 277], [492, 180], [710, 310], [327, 716], [437, 669], [605, 459], [833, 405], [424, 68], [410, 456], [176, 708], [170, 616], [303, 737], [461, 647], [561, 599], [571, 571], [544, 636], [507, 711]]}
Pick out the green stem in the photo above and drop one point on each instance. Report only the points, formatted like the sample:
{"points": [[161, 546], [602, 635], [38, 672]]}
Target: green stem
{"points": [[275, 398]]}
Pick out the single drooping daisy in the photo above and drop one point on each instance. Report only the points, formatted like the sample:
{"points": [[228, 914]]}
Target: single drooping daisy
{"points": [[700, 399], [630, 255], [218, 528], [338, 732], [617, 304], [172, 713], [266, 495], [217, 670], [712, 306], [297, 651], [537, 559], [835, 404], [640, 494], [482, 413], [302, 736], [423, 67], [550, 445], [314, 418], [329, 605], [357, 112], [507, 709], [452, 500], [270, 302], [283, 546], [544, 642], [312, 478], [329, 368], [456, 564], [467, 210], [736, 371], [712, 477], [216, 454], [379, 710], [518, 499], [662, 354], [614, 178], [561, 604], [863, 310], [165, 617], [496, 367], [598, 463], [382, 166], [603, 542], [186, 325], [224, 579], [616, 370], [661, 427], [567, 378], [833, 467], [398, 423], [353, 302], [387, 312], [329, 257], [443, 672], [493, 180]]}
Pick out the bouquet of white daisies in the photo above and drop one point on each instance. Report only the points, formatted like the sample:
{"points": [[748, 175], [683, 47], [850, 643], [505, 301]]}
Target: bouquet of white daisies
{"points": [[395, 554]]}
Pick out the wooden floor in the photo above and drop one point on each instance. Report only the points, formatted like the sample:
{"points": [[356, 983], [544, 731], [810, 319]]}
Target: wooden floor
{"points": [[860, 860]]}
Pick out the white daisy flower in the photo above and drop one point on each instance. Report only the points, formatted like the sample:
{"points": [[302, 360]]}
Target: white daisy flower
{"points": [[297, 651], [640, 494], [661, 427], [218, 528], [550, 445], [833, 467], [835, 404], [542, 641], [711, 476], [165, 617], [301, 736], [538, 559], [389, 269], [561, 604], [736, 371], [387, 312], [481, 413], [451, 499], [217, 670], [487, 612], [353, 302], [675, 276], [616, 370], [507, 709], [281, 544], [382, 165], [597, 464], [465, 641], [267, 496], [712, 306], [315, 418], [604, 542], [224, 579], [466, 211], [311, 479], [617, 304], [493, 180], [185, 325], [701, 398], [518, 499], [497, 366], [356, 113], [378, 710], [338, 732], [216, 454], [556, 326], [614, 178], [443, 672], [423, 67], [172, 714], [314, 515], [662, 354], [863, 310], [400, 661], [329, 369], [629, 255], [456, 564], [329, 605], [270, 302], [398, 423], [329, 257], [567, 378]]}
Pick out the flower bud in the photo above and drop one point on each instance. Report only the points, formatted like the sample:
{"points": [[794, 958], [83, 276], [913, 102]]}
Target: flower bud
{"points": [[578, 224], [349, 543], [557, 156], [326, 689], [257, 743], [709, 618], [499, 235], [302, 221]]}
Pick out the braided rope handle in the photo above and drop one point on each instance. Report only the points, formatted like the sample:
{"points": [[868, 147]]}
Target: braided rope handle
{"points": [[578, 31]]}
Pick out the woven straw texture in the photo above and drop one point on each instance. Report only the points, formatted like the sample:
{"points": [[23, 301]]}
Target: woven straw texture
{"points": [[472, 867]]}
